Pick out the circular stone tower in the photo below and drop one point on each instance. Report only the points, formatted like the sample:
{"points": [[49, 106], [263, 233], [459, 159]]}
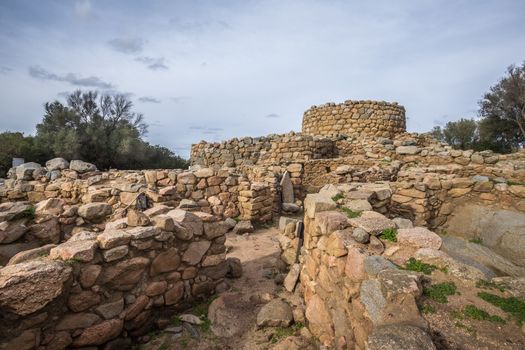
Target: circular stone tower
{"points": [[355, 118]]}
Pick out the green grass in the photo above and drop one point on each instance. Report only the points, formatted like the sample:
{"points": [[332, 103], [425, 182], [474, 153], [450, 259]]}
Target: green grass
{"points": [[281, 332], [338, 197], [515, 183], [440, 292], [350, 213], [476, 240], [175, 320], [419, 266], [27, 213], [237, 218], [483, 284], [389, 234], [428, 309], [511, 305], [473, 312]]}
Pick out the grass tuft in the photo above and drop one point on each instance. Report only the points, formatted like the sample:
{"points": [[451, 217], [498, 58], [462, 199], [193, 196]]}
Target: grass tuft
{"points": [[473, 312], [511, 305], [281, 332], [350, 213], [483, 284], [476, 240], [419, 266], [389, 234], [338, 197], [428, 309], [440, 292]]}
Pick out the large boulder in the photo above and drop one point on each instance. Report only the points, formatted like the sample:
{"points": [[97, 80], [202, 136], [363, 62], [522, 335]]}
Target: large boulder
{"points": [[28, 171], [276, 313], [57, 164], [82, 167], [419, 237], [188, 220], [28, 287], [230, 315], [317, 202], [94, 211]]}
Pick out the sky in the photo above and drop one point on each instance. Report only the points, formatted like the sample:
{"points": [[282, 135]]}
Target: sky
{"points": [[213, 70]]}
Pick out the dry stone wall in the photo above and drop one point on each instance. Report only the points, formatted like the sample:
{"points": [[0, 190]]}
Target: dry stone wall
{"points": [[371, 118], [111, 285]]}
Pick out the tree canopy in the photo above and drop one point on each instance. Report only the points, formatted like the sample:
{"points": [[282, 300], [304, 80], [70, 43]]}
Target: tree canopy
{"points": [[100, 129], [501, 123]]}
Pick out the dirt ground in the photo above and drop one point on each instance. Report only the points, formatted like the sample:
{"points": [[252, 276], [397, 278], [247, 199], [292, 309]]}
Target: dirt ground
{"points": [[259, 254]]}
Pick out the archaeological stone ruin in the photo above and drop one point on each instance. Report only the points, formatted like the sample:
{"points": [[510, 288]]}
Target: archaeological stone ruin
{"points": [[387, 240]]}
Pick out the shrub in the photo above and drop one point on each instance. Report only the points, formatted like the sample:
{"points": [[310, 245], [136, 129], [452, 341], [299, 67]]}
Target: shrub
{"points": [[389, 234], [350, 213], [419, 266], [473, 312], [512, 305], [439, 292]]}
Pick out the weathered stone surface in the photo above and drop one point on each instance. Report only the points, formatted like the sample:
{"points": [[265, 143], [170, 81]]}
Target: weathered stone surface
{"points": [[11, 231], [360, 235], [124, 274], [31, 254], [110, 309], [47, 231], [165, 262], [195, 252], [57, 164], [315, 203], [287, 195], [419, 237], [188, 220], [137, 218], [112, 239], [174, 294], [99, 333], [243, 226], [89, 275], [276, 313], [375, 264], [291, 278], [372, 222], [215, 229], [94, 211], [358, 205], [51, 206], [29, 286], [115, 253], [409, 150], [81, 250], [372, 298], [27, 171], [320, 321], [136, 308], [75, 321], [329, 221], [229, 315], [83, 300], [399, 337], [81, 167]]}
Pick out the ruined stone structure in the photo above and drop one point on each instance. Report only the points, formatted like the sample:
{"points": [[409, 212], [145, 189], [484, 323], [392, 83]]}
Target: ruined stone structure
{"points": [[99, 255], [358, 118]]}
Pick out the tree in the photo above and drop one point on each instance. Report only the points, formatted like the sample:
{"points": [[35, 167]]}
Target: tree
{"points": [[102, 130], [504, 106], [16, 145], [461, 134]]}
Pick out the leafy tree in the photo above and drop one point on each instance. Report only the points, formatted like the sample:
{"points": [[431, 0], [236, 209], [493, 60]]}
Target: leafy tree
{"points": [[503, 109], [461, 134], [102, 130]]}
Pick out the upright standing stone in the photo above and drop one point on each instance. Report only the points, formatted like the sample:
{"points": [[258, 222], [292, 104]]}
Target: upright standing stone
{"points": [[287, 188]]}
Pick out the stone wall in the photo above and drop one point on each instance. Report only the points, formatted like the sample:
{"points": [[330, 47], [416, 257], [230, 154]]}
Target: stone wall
{"points": [[352, 293], [272, 149], [111, 285], [371, 118]]}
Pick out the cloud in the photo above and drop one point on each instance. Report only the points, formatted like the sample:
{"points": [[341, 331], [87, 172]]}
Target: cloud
{"points": [[197, 25], [5, 70], [127, 45], [38, 72], [153, 63], [148, 99], [272, 115], [83, 9]]}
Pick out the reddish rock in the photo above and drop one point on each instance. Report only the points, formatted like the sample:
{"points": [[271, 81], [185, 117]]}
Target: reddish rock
{"points": [[134, 309], [83, 301], [195, 252], [156, 288], [165, 262], [89, 275], [174, 294], [100, 333]]}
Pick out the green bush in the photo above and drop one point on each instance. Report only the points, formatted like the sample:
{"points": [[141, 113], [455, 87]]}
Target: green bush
{"points": [[473, 312], [350, 213], [512, 305], [389, 234], [440, 292], [419, 266]]}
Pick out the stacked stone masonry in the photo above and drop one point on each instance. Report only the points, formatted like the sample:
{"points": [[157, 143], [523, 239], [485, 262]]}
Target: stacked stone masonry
{"points": [[368, 118]]}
